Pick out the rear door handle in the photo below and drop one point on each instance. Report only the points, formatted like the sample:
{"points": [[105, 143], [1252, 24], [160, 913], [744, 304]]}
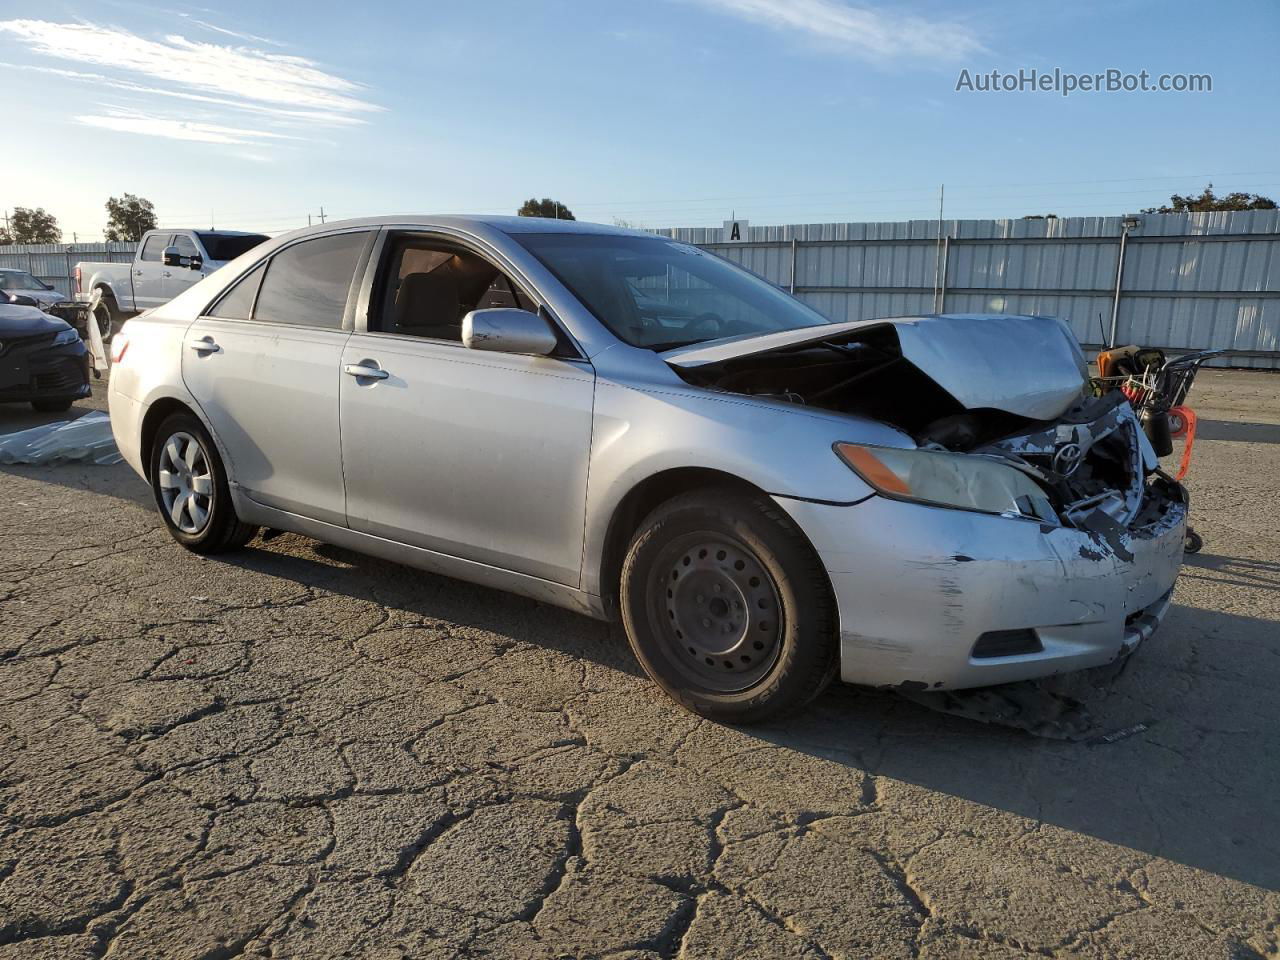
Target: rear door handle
{"points": [[166, 274], [362, 371], [204, 345]]}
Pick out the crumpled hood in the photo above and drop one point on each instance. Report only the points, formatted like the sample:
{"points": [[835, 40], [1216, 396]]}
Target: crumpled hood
{"points": [[23, 321], [1028, 366]]}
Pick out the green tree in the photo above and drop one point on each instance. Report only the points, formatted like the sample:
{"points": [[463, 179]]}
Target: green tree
{"points": [[129, 217], [33, 225], [1041, 216], [1208, 201], [545, 207]]}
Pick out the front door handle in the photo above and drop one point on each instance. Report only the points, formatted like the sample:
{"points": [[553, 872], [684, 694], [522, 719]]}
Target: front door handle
{"points": [[365, 371], [166, 274], [204, 345]]}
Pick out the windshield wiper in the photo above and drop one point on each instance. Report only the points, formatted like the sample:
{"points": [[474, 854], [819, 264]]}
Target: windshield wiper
{"points": [[672, 344]]}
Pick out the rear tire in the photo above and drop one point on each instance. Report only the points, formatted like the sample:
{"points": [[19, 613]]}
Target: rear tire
{"points": [[727, 607], [51, 406], [106, 315], [190, 487]]}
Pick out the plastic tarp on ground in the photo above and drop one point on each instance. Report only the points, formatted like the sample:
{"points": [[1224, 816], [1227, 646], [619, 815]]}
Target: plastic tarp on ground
{"points": [[86, 440]]}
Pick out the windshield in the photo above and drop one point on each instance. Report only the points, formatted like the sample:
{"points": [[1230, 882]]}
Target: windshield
{"points": [[20, 280], [661, 294], [225, 246]]}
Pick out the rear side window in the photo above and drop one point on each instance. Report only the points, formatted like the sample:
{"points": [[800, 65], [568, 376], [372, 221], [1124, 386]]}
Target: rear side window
{"points": [[153, 247], [307, 284], [238, 302]]}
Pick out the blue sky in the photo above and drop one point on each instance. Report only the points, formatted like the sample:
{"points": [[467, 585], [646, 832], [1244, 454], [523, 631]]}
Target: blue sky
{"points": [[658, 112]]}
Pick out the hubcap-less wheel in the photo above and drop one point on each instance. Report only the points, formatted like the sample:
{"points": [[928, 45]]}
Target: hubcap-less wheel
{"points": [[722, 618], [103, 317], [186, 482]]}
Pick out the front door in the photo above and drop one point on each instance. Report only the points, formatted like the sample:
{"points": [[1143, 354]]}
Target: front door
{"points": [[149, 272], [264, 366], [180, 279], [473, 454]]}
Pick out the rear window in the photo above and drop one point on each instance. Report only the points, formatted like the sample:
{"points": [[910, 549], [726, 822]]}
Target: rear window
{"points": [[307, 283], [237, 304], [225, 246]]}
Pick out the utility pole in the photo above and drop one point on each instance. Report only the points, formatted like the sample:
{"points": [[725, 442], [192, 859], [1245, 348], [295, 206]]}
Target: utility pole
{"points": [[308, 219], [322, 214], [937, 264]]}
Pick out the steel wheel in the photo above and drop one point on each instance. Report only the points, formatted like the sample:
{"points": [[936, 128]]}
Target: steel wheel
{"points": [[722, 619], [102, 315], [186, 482]]}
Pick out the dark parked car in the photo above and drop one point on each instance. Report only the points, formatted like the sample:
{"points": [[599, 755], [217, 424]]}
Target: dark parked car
{"points": [[42, 359]]}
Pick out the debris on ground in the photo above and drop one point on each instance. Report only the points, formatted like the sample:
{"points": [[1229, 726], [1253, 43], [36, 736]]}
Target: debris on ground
{"points": [[86, 440]]}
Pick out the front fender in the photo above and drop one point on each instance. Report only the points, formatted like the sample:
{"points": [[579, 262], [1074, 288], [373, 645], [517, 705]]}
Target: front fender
{"points": [[639, 432]]}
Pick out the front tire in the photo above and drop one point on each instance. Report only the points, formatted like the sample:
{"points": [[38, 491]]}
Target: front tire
{"points": [[727, 607], [190, 487]]}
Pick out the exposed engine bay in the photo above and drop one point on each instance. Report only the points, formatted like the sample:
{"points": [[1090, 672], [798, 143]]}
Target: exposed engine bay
{"points": [[1091, 457]]}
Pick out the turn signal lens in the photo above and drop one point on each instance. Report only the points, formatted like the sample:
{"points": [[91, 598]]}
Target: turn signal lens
{"points": [[872, 469], [963, 481], [119, 344]]}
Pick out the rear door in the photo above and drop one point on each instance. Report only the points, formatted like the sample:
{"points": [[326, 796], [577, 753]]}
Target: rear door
{"points": [[470, 453], [149, 271], [263, 363]]}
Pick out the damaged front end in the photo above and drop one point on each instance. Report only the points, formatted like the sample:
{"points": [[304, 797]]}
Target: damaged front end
{"points": [[1006, 387], [1083, 576]]}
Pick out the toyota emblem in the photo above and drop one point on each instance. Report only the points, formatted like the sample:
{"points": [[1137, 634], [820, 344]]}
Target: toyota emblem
{"points": [[1067, 458]]}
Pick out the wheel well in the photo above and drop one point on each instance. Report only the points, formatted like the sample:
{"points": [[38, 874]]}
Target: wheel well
{"points": [[106, 291], [639, 503], [155, 416]]}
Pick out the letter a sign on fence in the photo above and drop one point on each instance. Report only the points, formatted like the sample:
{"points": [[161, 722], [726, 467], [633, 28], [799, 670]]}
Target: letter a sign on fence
{"points": [[735, 231]]}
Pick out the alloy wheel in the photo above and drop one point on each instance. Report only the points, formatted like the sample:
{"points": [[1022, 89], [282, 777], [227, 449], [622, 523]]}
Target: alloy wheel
{"points": [[186, 482]]}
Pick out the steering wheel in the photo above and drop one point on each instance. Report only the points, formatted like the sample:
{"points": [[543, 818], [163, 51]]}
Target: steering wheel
{"points": [[705, 326]]}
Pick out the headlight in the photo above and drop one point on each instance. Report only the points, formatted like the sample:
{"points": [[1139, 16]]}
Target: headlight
{"points": [[68, 335], [959, 480]]}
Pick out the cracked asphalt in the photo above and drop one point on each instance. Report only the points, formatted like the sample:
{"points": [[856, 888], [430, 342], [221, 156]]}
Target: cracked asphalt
{"points": [[296, 751]]}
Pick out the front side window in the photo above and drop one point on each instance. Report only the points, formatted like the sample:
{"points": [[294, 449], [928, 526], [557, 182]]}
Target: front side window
{"points": [[662, 294], [153, 247], [185, 247], [428, 286], [307, 283]]}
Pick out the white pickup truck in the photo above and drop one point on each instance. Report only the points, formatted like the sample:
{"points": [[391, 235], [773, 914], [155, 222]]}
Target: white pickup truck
{"points": [[166, 263]]}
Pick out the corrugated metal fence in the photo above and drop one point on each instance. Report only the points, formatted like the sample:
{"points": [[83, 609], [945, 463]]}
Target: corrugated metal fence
{"points": [[1186, 281], [54, 263]]}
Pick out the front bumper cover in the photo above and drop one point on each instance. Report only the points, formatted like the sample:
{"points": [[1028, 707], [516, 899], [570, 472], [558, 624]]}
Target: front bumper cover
{"points": [[917, 586], [35, 369]]}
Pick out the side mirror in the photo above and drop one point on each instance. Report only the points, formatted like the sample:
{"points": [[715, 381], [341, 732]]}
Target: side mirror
{"points": [[195, 262], [171, 257], [506, 330]]}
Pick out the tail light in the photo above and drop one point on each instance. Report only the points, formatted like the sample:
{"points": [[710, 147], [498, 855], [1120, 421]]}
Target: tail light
{"points": [[78, 283], [119, 344]]}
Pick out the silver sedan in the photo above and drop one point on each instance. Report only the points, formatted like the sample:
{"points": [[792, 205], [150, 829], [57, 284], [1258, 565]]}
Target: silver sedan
{"points": [[634, 428]]}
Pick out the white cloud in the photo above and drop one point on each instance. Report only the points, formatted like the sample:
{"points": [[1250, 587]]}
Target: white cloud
{"points": [[100, 80], [863, 31], [240, 76], [234, 33], [172, 129]]}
